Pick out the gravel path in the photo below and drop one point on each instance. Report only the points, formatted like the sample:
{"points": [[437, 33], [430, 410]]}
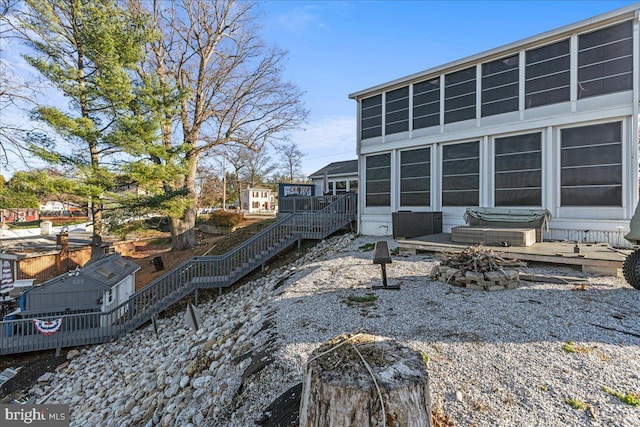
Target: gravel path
{"points": [[503, 358], [496, 358]]}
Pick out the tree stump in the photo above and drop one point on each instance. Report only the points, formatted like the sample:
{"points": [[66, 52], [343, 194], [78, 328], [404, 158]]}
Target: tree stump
{"points": [[365, 380]]}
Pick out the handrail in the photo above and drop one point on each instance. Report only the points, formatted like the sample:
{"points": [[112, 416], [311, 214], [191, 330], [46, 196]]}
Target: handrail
{"points": [[201, 272]]}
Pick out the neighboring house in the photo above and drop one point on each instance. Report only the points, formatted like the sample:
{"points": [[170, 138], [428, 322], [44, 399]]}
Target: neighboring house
{"points": [[336, 178], [99, 286], [55, 208], [256, 200], [548, 122], [52, 208], [19, 215]]}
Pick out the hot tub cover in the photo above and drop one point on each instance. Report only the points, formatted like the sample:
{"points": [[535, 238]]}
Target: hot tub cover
{"points": [[509, 215]]}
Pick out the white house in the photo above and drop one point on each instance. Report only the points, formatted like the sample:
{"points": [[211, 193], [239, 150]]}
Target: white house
{"points": [[336, 178], [257, 200], [548, 122], [53, 207], [100, 286]]}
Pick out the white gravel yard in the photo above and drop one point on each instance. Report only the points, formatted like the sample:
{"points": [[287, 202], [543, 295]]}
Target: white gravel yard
{"points": [[503, 358], [515, 357]]}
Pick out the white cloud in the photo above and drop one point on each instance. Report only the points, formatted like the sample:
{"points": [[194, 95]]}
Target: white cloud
{"points": [[326, 140], [300, 19]]}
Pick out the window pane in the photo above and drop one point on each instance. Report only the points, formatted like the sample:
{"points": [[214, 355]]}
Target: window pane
{"points": [[518, 179], [426, 104], [519, 197], [427, 121], [606, 85], [415, 184], [518, 170], [515, 162], [378, 180], [377, 187], [460, 198], [500, 86], [546, 98], [605, 60], [460, 174], [587, 135], [594, 175], [587, 196], [605, 35], [591, 165], [371, 114], [547, 76], [599, 154], [415, 177], [397, 110], [460, 95], [378, 199]]}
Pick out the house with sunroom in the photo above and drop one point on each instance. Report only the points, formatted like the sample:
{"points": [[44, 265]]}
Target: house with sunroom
{"points": [[336, 178], [548, 122]]}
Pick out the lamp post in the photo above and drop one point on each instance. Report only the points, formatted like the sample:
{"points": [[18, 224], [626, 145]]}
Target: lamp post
{"points": [[224, 183]]}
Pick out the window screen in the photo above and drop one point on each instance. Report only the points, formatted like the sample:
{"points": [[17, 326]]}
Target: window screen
{"points": [[547, 75], [460, 95], [426, 104], [591, 165], [605, 60], [518, 170], [415, 177], [500, 86], [371, 125], [378, 180], [397, 111], [460, 174]]}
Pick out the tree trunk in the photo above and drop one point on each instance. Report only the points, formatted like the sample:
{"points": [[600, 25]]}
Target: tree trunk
{"points": [[339, 390], [183, 235]]}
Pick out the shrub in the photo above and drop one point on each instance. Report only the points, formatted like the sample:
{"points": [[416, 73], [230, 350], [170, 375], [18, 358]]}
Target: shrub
{"points": [[225, 219]]}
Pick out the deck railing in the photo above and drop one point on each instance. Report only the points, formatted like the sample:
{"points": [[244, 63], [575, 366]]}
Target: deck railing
{"points": [[306, 204], [204, 272]]}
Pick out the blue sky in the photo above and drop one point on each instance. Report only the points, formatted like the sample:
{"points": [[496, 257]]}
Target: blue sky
{"points": [[340, 47]]}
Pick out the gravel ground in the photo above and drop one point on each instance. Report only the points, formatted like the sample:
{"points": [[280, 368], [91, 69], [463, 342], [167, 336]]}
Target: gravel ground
{"points": [[502, 358]]}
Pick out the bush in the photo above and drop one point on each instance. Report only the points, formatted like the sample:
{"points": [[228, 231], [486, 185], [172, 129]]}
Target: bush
{"points": [[225, 219]]}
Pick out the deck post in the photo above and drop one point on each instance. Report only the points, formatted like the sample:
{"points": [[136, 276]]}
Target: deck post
{"points": [[195, 298]]}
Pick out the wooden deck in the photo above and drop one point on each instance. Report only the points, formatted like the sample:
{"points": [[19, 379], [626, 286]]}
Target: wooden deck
{"points": [[597, 258]]}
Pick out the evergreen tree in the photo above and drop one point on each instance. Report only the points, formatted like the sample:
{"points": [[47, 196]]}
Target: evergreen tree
{"points": [[86, 50]]}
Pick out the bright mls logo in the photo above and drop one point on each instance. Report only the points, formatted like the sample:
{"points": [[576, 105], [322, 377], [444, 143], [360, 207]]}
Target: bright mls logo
{"points": [[34, 415]]}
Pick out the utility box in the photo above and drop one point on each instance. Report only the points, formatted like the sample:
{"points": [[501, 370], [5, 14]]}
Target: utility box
{"points": [[45, 228], [407, 224]]}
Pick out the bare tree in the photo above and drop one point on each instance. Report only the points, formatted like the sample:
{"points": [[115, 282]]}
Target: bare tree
{"points": [[13, 91], [213, 82], [257, 165], [291, 160], [210, 184]]}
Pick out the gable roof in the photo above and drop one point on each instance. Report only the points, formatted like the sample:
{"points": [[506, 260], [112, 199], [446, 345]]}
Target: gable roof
{"points": [[109, 269], [347, 167], [101, 274]]}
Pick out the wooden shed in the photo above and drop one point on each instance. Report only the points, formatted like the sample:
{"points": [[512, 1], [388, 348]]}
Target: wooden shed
{"points": [[101, 285]]}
